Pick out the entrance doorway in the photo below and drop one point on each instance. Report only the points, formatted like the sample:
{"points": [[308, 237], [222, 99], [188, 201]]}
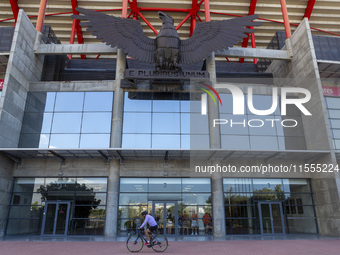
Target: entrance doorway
{"points": [[271, 218], [56, 218], [165, 213]]}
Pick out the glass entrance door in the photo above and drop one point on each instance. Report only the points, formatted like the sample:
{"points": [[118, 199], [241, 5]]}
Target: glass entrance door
{"points": [[165, 213], [271, 218], [56, 218]]}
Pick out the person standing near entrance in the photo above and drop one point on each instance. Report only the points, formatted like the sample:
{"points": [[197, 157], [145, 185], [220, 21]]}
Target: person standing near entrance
{"points": [[194, 224], [152, 226]]}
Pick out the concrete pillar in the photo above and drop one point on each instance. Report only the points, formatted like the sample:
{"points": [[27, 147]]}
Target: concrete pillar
{"points": [[218, 206], [6, 177], [118, 102], [219, 226], [112, 200]]}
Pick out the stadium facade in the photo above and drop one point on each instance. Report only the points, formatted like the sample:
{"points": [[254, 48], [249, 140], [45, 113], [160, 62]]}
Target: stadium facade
{"points": [[84, 150]]}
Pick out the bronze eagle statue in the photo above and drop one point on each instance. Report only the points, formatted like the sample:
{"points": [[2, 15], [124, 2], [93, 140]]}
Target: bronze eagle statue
{"points": [[167, 50]]}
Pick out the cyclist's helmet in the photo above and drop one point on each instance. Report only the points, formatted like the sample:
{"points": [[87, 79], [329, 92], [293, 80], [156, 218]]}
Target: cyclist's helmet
{"points": [[144, 213]]}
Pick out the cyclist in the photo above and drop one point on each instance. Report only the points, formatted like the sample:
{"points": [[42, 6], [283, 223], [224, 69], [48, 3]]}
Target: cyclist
{"points": [[152, 226]]}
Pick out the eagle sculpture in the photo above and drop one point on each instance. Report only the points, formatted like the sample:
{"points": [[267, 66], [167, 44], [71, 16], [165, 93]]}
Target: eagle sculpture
{"points": [[167, 50]]}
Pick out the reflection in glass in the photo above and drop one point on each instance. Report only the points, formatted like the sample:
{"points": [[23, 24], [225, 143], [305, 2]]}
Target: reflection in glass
{"points": [[166, 123], [69, 102], [267, 143], [95, 184], [98, 101], [99, 122], [138, 141], [165, 141], [133, 199], [165, 106], [196, 185], [164, 185], [66, 123], [70, 141], [235, 142], [133, 185], [94, 141], [137, 123]]}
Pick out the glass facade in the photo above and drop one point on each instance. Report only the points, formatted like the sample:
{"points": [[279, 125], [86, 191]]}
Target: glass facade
{"points": [[252, 204], [43, 203], [152, 120], [67, 120], [255, 132], [333, 110], [180, 205]]}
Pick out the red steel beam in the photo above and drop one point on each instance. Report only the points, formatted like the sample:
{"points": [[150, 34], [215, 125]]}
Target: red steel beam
{"points": [[134, 9], [80, 37], [251, 11], [183, 21], [125, 8], [41, 15], [194, 10], [207, 10], [73, 34], [309, 9], [285, 19], [15, 9], [147, 22]]}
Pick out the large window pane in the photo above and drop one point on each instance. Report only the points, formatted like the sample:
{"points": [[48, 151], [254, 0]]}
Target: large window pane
{"points": [[98, 101], [196, 198], [28, 184], [69, 102], [133, 185], [296, 185], [237, 125], [237, 185], [264, 143], [166, 142], [264, 102], [164, 185], [235, 142], [133, 199], [95, 184], [136, 141], [70, 141], [135, 105], [333, 102], [137, 123], [302, 226], [95, 141], [99, 122], [166, 123], [196, 185], [23, 227], [165, 106], [66, 123], [267, 185], [25, 212]]}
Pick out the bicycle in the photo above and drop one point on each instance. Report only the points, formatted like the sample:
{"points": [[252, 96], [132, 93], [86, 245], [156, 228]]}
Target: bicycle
{"points": [[135, 243]]}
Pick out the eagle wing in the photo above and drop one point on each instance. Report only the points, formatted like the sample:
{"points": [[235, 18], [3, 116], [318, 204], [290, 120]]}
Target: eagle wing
{"points": [[213, 36], [126, 34]]}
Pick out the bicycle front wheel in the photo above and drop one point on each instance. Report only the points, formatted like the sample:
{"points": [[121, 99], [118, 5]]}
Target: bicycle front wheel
{"points": [[160, 243], [134, 243]]}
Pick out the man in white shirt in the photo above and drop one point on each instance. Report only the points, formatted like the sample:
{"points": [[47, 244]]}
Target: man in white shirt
{"points": [[152, 226]]}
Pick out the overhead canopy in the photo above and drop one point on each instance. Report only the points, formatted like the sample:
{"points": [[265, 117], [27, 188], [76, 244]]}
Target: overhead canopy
{"points": [[133, 154]]}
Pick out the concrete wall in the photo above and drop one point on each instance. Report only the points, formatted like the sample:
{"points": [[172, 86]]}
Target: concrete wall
{"points": [[23, 67], [303, 72]]}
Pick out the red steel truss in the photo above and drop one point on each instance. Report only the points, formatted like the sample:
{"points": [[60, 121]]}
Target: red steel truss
{"points": [[251, 11], [15, 8], [192, 13], [309, 9]]}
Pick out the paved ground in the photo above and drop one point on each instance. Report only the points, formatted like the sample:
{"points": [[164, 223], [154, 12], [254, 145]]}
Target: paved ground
{"points": [[253, 247]]}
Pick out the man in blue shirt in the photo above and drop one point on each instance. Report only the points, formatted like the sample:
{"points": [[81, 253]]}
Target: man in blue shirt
{"points": [[152, 225]]}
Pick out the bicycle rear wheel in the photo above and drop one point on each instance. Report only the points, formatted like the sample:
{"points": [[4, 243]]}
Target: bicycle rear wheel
{"points": [[134, 243], [160, 243]]}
